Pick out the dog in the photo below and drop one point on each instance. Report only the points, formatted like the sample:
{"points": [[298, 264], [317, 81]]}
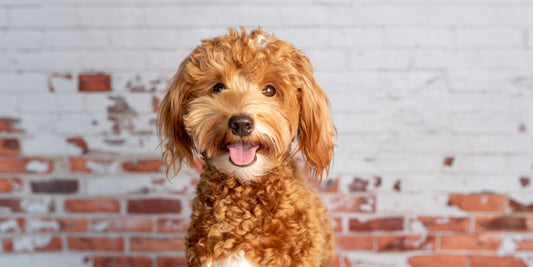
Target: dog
{"points": [[247, 104]]}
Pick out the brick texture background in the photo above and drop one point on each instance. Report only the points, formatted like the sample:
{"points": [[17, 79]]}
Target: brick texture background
{"points": [[433, 101]]}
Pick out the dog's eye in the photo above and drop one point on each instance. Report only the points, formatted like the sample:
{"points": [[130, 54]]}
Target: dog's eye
{"points": [[269, 91], [218, 88]]}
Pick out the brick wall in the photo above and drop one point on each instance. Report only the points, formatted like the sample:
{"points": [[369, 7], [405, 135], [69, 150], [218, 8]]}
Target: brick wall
{"points": [[433, 101]]}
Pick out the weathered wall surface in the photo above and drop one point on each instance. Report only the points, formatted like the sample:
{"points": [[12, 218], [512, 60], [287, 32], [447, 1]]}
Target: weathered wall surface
{"points": [[433, 101]]}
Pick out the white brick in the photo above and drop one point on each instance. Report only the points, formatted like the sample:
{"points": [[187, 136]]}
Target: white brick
{"points": [[18, 40], [304, 38], [117, 16], [23, 83], [44, 260], [489, 122], [42, 17], [38, 123], [37, 104], [359, 123], [328, 60], [115, 60], [168, 61], [56, 60], [83, 124], [494, 37], [515, 15], [479, 164], [418, 37], [380, 59], [419, 203], [118, 185], [474, 59], [3, 17], [49, 145], [9, 105], [482, 144], [76, 39], [357, 37]]}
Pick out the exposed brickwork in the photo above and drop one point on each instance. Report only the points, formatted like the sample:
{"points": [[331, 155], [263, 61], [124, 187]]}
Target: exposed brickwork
{"points": [[432, 101]]}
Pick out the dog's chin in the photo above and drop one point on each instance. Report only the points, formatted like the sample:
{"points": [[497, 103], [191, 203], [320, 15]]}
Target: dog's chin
{"points": [[244, 173]]}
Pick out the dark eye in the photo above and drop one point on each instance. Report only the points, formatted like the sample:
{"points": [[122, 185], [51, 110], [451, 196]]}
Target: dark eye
{"points": [[269, 91], [218, 88]]}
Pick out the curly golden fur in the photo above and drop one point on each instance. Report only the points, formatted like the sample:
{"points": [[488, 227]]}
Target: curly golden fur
{"points": [[247, 104]]}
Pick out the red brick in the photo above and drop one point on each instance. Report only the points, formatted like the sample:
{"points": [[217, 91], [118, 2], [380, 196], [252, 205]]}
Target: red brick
{"points": [[358, 185], [470, 242], [405, 243], [478, 202], [339, 261], [68, 225], [173, 225], [330, 185], [11, 204], [349, 203], [19, 165], [9, 125], [122, 224], [524, 245], [504, 223], [154, 206], [122, 261], [10, 185], [9, 146], [438, 261], [381, 224], [94, 82], [58, 186], [80, 164], [354, 242], [92, 205], [445, 224], [337, 224], [171, 262], [150, 165], [54, 244], [448, 161], [519, 207], [95, 243], [495, 261], [157, 244], [11, 225], [79, 142]]}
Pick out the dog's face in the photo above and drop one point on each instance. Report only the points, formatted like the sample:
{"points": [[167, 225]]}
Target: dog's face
{"points": [[240, 101]]}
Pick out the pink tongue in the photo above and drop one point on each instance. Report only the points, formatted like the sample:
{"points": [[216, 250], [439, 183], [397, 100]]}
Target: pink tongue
{"points": [[242, 154]]}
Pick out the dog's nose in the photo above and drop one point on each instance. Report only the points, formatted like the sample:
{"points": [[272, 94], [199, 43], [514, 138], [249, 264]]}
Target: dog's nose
{"points": [[241, 125]]}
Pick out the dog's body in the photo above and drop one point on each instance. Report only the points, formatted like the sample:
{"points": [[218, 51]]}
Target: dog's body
{"points": [[241, 101]]}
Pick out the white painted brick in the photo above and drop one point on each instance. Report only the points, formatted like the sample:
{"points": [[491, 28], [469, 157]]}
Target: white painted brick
{"points": [[44, 260], [328, 60], [482, 144], [49, 145], [5, 62], [168, 61], [83, 124], [369, 259], [357, 37], [418, 37], [9, 105], [474, 59], [112, 17], [420, 203], [116, 60], [515, 15], [359, 123], [23, 83], [304, 38], [56, 60], [37, 104], [494, 37], [483, 81], [41, 17], [3, 17], [380, 59], [18, 40], [149, 82], [125, 144], [76, 39], [118, 185], [479, 123], [479, 164], [529, 38], [97, 103], [38, 123]]}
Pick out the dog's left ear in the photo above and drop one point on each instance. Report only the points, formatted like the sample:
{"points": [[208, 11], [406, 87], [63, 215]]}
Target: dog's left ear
{"points": [[316, 132]]}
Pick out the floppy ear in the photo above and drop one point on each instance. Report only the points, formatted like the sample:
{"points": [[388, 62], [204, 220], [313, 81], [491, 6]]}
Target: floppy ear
{"points": [[176, 143], [316, 132]]}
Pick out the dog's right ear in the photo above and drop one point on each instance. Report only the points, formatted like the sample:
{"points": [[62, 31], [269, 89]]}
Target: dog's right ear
{"points": [[176, 144]]}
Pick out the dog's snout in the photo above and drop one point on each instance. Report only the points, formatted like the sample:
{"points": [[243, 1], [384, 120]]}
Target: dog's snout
{"points": [[241, 125]]}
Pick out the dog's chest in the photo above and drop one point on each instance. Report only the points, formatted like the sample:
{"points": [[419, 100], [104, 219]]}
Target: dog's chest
{"points": [[236, 259]]}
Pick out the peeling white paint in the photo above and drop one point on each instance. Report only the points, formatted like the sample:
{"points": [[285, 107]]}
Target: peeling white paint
{"points": [[101, 226], [102, 167], [37, 166], [9, 226], [41, 205], [367, 206], [30, 243], [36, 225]]}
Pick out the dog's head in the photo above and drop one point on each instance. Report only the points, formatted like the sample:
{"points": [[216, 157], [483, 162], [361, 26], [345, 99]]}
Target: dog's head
{"points": [[240, 101]]}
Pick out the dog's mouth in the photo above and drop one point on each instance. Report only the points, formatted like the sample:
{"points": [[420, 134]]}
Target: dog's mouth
{"points": [[242, 154]]}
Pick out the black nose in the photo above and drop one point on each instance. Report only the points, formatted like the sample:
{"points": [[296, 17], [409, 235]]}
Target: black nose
{"points": [[241, 125]]}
